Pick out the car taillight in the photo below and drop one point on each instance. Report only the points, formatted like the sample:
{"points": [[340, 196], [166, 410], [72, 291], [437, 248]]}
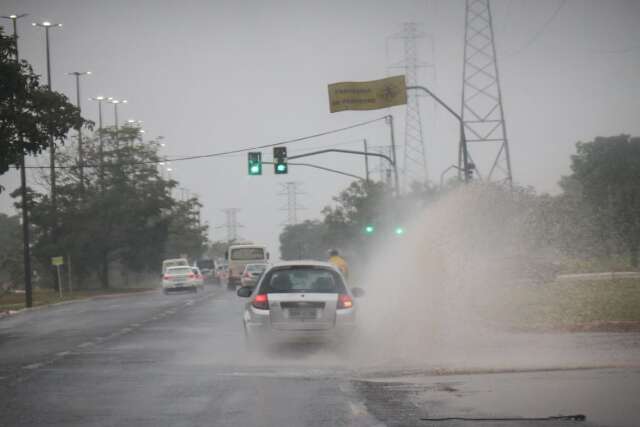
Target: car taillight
{"points": [[166, 277], [344, 301], [191, 275], [247, 275], [261, 301]]}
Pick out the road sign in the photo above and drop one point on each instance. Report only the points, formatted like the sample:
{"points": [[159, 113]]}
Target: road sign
{"points": [[57, 260], [371, 95]]}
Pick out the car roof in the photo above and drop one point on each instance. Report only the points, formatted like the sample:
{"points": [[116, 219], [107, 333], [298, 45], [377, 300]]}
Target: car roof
{"points": [[304, 263], [175, 267]]}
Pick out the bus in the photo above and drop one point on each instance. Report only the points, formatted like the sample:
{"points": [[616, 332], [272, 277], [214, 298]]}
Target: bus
{"points": [[241, 254]]}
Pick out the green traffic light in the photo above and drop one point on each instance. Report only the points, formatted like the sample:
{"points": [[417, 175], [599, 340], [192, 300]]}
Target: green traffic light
{"points": [[255, 170], [369, 229], [399, 231], [281, 168]]}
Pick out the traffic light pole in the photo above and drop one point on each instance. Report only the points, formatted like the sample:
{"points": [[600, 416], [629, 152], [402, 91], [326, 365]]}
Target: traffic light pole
{"points": [[323, 168], [467, 168], [360, 153]]}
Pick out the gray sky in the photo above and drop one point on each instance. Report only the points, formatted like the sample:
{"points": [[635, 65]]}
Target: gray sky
{"points": [[218, 75]]}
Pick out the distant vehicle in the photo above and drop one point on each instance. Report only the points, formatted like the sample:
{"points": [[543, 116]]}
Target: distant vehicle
{"points": [[239, 255], [181, 278], [199, 278], [174, 262], [208, 269], [299, 299], [251, 274], [221, 273]]}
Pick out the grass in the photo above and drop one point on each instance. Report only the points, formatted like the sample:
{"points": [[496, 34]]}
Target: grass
{"points": [[16, 301], [558, 305]]}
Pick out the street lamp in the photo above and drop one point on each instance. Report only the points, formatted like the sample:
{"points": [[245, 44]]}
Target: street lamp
{"points": [[115, 103], [99, 100], [26, 238], [52, 148], [77, 74]]}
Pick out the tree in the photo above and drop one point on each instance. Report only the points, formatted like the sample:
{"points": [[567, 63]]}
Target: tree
{"points": [[306, 240], [606, 175], [124, 215], [29, 113], [10, 253]]}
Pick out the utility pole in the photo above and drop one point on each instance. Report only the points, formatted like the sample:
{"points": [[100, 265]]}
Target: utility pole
{"points": [[77, 75], [366, 160], [482, 109], [290, 189], [26, 238]]}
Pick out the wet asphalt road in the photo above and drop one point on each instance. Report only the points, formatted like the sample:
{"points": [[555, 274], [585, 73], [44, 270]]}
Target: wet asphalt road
{"points": [[180, 360]]}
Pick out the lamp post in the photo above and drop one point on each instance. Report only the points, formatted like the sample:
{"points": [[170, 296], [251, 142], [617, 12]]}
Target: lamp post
{"points": [[99, 100], [77, 74], [26, 238], [115, 103], [52, 148]]}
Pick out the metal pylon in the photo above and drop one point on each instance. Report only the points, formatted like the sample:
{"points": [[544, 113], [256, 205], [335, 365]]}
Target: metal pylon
{"points": [[482, 110], [231, 223], [414, 161], [290, 189]]}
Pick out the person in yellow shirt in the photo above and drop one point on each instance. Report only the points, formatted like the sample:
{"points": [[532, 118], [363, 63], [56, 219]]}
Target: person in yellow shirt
{"points": [[339, 262]]}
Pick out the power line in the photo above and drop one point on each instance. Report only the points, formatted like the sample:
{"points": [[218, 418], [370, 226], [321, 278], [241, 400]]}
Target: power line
{"points": [[240, 150], [539, 33]]}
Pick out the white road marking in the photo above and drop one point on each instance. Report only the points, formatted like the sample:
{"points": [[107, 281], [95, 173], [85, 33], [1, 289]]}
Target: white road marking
{"points": [[63, 353], [33, 366], [86, 344]]}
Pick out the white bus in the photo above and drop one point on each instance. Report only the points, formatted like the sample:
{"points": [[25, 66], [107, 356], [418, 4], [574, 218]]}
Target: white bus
{"points": [[241, 254]]}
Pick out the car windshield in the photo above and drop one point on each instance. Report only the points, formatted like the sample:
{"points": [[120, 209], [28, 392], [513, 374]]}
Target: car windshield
{"points": [[256, 268], [247, 254], [179, 270], [302, 279]]}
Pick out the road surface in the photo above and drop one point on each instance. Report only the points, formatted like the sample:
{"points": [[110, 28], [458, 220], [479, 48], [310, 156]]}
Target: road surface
{"points": [[180, 360]]}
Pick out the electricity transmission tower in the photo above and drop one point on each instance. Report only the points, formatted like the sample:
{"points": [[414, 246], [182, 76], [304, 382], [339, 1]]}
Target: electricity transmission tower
{"points": [[414, 165], [231, 223], [290, 189], [482, 110]]}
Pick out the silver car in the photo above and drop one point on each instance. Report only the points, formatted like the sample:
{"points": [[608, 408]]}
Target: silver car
{"points": [[299, 299]]}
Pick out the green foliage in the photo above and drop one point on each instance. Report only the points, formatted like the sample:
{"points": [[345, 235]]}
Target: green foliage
{"points": [[606, 182], [29, 113], [124, 214], [306, 240], [11, 263]]}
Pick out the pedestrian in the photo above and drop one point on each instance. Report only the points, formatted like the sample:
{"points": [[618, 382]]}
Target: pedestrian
{"points": [[339, 262]]}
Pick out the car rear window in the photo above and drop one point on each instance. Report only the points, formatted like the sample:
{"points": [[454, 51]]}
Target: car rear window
{"points": [[256, 268], [179, 270], [302, 279]]}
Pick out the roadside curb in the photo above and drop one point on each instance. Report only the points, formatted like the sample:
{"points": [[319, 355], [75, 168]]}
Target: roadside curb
{"points": [[11, 313]]}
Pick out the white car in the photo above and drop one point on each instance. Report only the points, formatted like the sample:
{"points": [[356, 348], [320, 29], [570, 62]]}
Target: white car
{"points": [[181, 277], [299, 299]]}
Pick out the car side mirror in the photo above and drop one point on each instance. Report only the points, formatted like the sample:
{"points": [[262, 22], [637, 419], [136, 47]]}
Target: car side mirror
{"points": [[357, 292], [244, 292]]}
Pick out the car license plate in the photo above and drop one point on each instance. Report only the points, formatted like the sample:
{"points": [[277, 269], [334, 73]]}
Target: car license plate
{"points": [[302, 313]]}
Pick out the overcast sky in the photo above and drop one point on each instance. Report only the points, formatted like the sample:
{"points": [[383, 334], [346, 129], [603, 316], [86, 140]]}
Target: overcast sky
{"points": [[218, 75]]}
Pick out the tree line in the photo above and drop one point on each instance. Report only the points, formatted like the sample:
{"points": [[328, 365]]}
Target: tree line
{"points": [[594, 220]]}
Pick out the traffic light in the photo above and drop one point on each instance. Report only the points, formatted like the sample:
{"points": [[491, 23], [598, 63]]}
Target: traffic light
{"points": [[369, 229], [399, 231], [255, 163], [280, 160]]}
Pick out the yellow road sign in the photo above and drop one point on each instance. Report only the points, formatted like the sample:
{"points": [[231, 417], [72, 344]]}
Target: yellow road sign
{"points": [[370, 95], [57, 260]]}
